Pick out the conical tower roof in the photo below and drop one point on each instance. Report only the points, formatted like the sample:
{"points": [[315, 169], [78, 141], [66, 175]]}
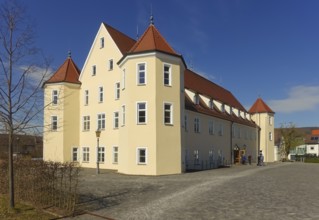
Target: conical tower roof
{"points": [[67, 72], [152, 40], [260, 107]]}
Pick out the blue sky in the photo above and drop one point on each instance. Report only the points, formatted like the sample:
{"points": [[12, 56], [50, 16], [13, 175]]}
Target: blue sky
{"points": [[264, 48]]}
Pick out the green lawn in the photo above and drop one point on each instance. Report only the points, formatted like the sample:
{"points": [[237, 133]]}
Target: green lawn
{"points": [[21, 211]]}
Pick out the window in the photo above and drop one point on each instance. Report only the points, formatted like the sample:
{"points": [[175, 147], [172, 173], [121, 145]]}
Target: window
{"points": [[101, 42], [210, 155], [86, 154], [111, 64], [123, 115], [93, 70], [221, 129], [116, 120], [123, 79], [312, 148], [211, 128], [54, 123], [167, 75], [141, 74], [101, 94], [141, 156], [186, 123], [115, 154], [74, 154], [101, 121], [196, 125], [141, 113], [168, 113], [86, 123], [270, 120], [196, 99], [196, 156], [101, 154], [117, 90], [86, 97], [270, 136], [211, 104], [54, 97]]}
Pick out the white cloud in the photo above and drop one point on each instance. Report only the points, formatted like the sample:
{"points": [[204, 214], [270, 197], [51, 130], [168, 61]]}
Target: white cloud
{"points": [[300, 98], [37, 74]]}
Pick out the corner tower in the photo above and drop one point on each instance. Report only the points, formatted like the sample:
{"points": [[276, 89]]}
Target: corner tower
{"points": [[264, 118], [61, 113], [153, 93]]}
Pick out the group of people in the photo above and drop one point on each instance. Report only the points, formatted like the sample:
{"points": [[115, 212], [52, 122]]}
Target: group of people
{"points": [[260, 160]]}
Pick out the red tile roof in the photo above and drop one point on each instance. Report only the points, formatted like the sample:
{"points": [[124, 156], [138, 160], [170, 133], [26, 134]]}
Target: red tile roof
{"points": [[123, 42], [152, 40], [199, 84], [260, 107], [67, 72], [204, 109]]}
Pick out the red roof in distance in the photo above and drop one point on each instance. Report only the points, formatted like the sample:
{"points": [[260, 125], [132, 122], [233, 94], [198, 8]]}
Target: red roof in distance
{"points": [[260, 107], [67, 72]]}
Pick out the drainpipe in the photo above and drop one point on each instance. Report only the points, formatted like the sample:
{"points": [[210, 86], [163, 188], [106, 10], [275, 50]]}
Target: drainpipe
{"points": [[231, 144]]}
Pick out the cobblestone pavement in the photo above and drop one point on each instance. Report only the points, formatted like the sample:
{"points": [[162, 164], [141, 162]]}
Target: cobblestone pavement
{"points": [[281, 191]]}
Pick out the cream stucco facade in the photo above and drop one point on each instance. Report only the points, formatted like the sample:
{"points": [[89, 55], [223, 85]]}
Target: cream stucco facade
{"points": [[138, 102]]}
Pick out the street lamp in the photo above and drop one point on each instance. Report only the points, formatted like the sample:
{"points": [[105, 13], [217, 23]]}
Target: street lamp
{"points": [[98, 134]]}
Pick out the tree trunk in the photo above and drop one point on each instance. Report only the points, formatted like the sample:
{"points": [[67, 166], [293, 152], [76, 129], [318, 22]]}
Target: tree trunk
{"points": [[11, 174]]}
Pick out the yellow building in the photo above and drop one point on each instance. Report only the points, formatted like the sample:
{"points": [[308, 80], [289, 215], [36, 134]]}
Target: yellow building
{"points": [[154, 115]]}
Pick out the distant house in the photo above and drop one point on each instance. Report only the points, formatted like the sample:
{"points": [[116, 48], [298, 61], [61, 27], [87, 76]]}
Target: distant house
{"points": [[310, 146], [23, 145]]}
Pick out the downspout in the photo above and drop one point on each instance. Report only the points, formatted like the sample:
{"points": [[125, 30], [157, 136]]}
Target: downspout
{"points": [[231, 144]]}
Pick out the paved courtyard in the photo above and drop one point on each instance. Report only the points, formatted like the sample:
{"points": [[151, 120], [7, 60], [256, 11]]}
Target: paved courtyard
{"points": [[276, 191]]}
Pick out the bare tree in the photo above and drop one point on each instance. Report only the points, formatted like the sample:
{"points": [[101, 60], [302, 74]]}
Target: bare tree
{"points": [[290, 138], [21, 78]]}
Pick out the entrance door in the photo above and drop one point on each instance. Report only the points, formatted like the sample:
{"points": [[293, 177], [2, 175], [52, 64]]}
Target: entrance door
{"points": [[236, 156]]}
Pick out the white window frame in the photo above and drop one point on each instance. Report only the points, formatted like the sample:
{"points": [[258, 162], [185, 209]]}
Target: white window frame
{"points": [[138, 74], [211, 127], [111, 64], [86, 123], [169, 111], [102, 41], [101, 94], [101, 154], [270, 120], [94, 70], [196, 99], [86, 97], [167, 75], [75, 152], [85, 154], [270, 136], [197, 125], [123, 115], [138, 155], [100, 125], [117, 94], [55, 97], [116, 120], [115, 153], [54, 123], [138, 111]]}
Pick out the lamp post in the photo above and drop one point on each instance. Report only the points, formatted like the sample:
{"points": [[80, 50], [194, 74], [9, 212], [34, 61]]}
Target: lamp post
{"points": [[98, 134]]}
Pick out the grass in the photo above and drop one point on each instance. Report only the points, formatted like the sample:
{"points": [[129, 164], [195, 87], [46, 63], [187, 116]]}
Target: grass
{"points": [[21, 211], [312, 160]]}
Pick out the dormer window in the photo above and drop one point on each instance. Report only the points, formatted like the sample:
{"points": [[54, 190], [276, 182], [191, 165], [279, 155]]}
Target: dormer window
{"points": [[196, 99], [223, 108], [101, 42], [211, 104]]}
